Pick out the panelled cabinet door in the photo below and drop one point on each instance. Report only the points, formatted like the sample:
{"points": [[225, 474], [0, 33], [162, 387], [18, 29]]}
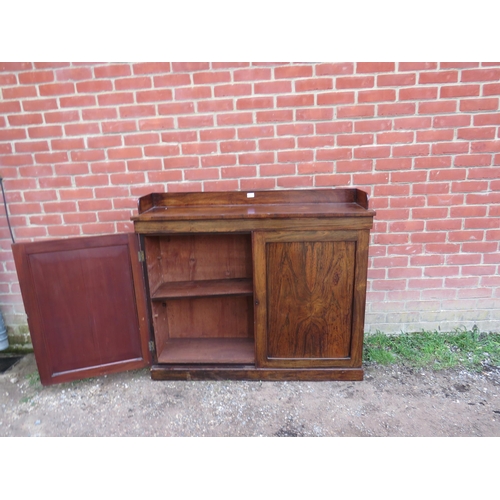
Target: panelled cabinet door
{"points": [[310, 289], [86, 305]]}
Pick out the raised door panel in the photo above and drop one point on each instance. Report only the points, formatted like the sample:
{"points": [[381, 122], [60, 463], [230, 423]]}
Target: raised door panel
{"points": [[310, 290], [86, 306]]}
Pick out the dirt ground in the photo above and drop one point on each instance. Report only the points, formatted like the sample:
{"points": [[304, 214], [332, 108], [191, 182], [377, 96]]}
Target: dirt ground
{"points": [[391, 401]]}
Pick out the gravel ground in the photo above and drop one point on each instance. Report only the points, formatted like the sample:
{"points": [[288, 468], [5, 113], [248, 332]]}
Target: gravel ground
{"points": [[391, 401]]}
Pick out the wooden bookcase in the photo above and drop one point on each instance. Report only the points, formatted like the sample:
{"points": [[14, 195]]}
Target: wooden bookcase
{"points": [[265, 285]]}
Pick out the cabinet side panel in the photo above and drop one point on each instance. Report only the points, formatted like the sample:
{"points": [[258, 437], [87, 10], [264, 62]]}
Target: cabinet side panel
{"points": [[309, 298]]}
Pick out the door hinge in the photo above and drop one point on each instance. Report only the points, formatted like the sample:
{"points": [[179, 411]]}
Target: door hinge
{"points": [[151, 346], [140, 254]]}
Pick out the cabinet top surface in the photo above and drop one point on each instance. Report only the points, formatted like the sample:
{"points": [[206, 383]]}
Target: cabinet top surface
{"points": [[348, 202]]}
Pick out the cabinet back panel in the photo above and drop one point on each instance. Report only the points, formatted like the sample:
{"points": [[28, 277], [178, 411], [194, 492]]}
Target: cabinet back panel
{"points": [[210, 317], [205, 257], [310, 299]]}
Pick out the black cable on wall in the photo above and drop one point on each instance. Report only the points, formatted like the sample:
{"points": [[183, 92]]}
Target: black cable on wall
{"points": [[6, 210]]}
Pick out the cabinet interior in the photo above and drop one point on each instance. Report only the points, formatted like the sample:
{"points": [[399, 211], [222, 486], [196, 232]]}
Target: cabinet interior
{"points": [[201, 293]]}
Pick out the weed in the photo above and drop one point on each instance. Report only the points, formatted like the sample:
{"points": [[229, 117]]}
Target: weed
{"points": [[461, 348], [33, 378]]}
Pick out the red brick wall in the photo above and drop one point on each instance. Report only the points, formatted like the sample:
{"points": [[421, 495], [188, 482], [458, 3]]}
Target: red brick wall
{"points": [[79, 143]]}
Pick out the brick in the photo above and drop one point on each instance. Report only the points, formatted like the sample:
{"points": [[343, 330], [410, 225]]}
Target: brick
{"points": [[93, 86], [438, 77], [215, 105], [57, 157], [372, 152], [355, 139], [392, 164], [295, 181], [283, 115], [137, 139], [293, 71], [354, 82], [25, 208], [72, 169], [443, 225], [66, 144], [236, 89], [483, 173], [88, 155], [76, 194], [45, 131], [124, 153], [295, 156], [82, 128], [451, 121], [199, 174], [378, 95], [480, 75], [355, 111], [396, 80], [470, 211], [16, 160], [137, 111], [296, 129], [62, 116], [254, 132], [187, 93], [108, 167], [45, 65], [6, 80], [92, 180], [225, 185], [454, 174], [176, 108], [255, 102], [145, 68], [154, 95], [416, 66], [34, 77], [330, 98], [314, 114], [255, 158], [238, 172], [99, 114], [409, 176], [18, 92], [174, 80], [190, 66], [12, 134], [315, 168], [435, 135], [374, 67], [104, 141], [195, 121], [251, 74], [25, 119], [429, 213], [354, 166], [276, 87], [312, 142], [79, 218], [65, 74], [486, 198], [76, 101], [115, 98], [181, 162], [491, 89], [31, 146], [487, 119], [112, 70], [394, 137], [333, 154], [185, 187], [165, 176], [411, 150], [490, 104], [312, 84], [256, 184], [428, 108], [373, 125], [482, 223], [476, 133], [162, 150], [139, 82], [433, 162], [278, 169], [472, 160], [396, 109], [237, 146], [156, 124], [211, 77], [38, 104], [444, 200], [418, 93], [334, 69], [218, 160], [217, 134], [459, 91], [150, 164], [199, 148], [485, 147], [450, 148]]}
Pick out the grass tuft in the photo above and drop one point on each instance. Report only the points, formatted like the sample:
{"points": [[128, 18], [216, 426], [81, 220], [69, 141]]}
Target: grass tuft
{"points": [[461, 348]]}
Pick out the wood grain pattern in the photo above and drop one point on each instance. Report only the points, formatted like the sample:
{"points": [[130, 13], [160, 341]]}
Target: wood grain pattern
{"points": [[218, 372], [310, 301], [208, 288], [82, 306]]}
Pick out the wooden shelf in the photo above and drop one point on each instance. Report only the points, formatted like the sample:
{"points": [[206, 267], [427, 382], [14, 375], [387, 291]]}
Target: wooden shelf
{"points": [[208, 288], [208, 350]]}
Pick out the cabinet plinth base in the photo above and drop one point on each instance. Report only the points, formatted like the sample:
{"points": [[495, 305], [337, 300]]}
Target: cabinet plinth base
{"points": [[248, 372]]}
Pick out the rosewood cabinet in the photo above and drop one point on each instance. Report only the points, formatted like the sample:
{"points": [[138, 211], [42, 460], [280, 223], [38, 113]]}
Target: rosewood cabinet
{"points": [[245, 285]]}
